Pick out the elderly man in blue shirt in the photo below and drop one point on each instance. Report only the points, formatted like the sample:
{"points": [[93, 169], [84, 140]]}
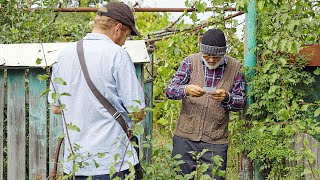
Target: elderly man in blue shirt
{"points": [[112, 72]]}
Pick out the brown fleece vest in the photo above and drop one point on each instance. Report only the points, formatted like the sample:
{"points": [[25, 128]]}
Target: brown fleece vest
{"points": [[202, 118]]}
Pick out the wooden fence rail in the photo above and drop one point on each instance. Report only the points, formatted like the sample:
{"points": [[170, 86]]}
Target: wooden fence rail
{"points": [[306, 142], [310, 162], [28, 133]]}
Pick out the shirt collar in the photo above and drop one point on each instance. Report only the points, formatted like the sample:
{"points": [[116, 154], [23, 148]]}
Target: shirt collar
{"points": [[97, 36]]}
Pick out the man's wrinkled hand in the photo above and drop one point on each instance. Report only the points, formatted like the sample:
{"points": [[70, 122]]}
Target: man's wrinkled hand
{"points": [[194, 90], [219, 95]]}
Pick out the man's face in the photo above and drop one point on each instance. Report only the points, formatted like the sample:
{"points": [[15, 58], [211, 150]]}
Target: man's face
{"points": [[212, 62], [212, 59], [122, 33]]}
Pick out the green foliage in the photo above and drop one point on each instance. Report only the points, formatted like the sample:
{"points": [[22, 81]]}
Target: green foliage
{"points": [[279, 88], [21, 26]]}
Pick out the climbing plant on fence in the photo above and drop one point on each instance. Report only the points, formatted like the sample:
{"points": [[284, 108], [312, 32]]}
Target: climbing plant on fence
{"points": [[280, 110]]}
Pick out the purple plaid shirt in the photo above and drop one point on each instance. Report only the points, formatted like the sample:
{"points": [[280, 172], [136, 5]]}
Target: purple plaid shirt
{"points": [[176, 88]]}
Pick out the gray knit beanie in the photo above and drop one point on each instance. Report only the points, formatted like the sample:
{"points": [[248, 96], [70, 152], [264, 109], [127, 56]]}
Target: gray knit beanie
{"points": [[213, 43]]}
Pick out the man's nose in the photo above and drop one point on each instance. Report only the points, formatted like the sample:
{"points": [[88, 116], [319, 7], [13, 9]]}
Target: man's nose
{"points": [[211, 59]]}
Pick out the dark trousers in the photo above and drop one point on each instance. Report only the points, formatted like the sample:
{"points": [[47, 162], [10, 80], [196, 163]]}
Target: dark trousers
{"points": [[104, 176], [184, 146]]}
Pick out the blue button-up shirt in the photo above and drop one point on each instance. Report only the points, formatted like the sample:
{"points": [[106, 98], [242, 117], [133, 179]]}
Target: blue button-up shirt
{"points": [[112, 71]]}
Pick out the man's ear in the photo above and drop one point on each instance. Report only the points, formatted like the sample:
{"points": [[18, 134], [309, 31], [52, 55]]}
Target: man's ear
{"points": [[118, 27]]}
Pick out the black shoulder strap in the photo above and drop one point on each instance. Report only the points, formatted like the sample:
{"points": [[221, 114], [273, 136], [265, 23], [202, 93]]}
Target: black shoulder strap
{"points": [[106, 104]]}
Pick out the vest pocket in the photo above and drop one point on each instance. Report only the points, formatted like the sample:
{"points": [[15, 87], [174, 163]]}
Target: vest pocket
{"points": [[216, 129], [186, 123]]}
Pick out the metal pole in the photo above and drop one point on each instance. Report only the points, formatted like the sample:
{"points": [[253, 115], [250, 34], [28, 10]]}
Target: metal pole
{"points": [[250, 59], [89, 9], [250, 42]]}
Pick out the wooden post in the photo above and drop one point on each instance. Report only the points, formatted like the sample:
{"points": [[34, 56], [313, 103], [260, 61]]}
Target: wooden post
{"points": [[37, 126], [1, 121], [16, 118], [245, 168], [148, 89], [55, 130]]}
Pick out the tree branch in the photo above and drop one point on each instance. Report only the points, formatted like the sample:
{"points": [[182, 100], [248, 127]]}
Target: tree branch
{"points": [[166, 34]]}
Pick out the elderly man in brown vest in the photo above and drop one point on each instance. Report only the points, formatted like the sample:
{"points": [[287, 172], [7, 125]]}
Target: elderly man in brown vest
{"points": [[210, 86]]}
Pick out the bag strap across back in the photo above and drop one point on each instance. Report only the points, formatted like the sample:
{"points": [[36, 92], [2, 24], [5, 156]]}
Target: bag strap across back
{"points": [[106, 104]]}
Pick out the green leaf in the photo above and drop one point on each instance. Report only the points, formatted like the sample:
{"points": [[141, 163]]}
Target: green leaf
{"points": [[267, 67], [130, 153], [59, 81], [55, 96], [317, 112], [146, 145], [194, 16], [317, 71], [147, 109], [306, 171], [285, 114], [163, 121], [116, 157], [62, 107], [75, 167], [282, 61], [261, 4], [275, 129], [186, 3], [65, 94], [262, 129], [45, 92], [134, 109], [203, 167], [273, 89], [305, 107], [201, 6], [217, 160], [39, 60], [95, 163], [101, 155], [61, 136], [42, 77], [270, 45], [138, 129], [274, 77], [138, 101], [241, 3], [77, 147], [73, 127]]}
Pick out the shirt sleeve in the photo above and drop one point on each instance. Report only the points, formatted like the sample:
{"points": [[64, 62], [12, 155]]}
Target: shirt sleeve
{"points": [[177, 87], [127, 84], [237, 95]]}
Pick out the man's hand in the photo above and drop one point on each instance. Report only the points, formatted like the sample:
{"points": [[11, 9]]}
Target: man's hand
{"points": [[219, 95], [139, 115], [194, 90]]}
